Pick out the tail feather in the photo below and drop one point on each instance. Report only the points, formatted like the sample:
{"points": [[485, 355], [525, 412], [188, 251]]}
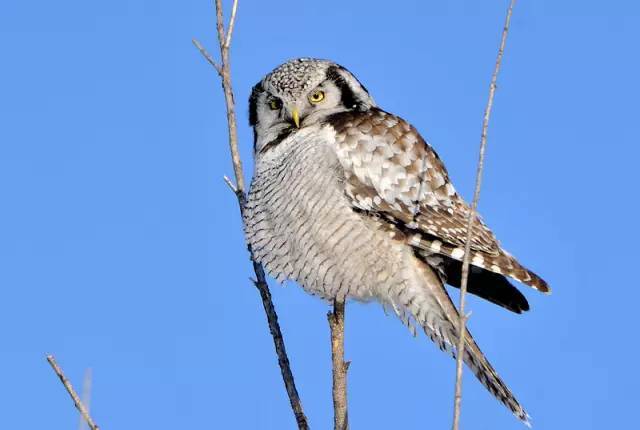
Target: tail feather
{"points": [[431, 308], [486, 284], [502, 263]]}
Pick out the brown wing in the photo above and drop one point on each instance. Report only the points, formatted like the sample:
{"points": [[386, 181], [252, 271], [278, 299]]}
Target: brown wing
{"points": [[390, 170]]}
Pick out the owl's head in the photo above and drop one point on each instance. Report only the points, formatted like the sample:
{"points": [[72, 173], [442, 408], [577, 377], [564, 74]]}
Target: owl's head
{"points": [[300, 93]]}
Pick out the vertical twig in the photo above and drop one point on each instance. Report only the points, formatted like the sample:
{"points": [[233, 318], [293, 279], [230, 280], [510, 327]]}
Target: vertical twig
{"points": [[232, 22], [224, 70], [340, 367], [472, 216], [74, 396], [225, 43]]}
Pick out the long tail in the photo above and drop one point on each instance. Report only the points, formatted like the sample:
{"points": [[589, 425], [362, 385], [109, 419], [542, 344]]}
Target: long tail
{"points": [[427, 303]]}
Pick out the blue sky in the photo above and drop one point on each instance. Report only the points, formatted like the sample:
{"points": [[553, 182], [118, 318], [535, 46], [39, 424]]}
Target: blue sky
{"points": [[121, 247]]}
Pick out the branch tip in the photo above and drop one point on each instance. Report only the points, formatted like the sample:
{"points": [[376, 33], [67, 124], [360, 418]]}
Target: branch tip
{"points": [[207, 56], [230, 184], [232, 21], [74, 396]]}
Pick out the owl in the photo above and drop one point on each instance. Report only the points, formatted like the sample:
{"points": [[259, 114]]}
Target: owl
{"points": [[350, 202]]}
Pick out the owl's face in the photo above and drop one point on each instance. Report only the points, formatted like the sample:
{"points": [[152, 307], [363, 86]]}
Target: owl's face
{"points": [[300, 93]]}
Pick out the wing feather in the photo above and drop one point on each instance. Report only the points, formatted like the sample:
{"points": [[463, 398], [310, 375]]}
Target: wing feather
{"points": [[390, 170]]}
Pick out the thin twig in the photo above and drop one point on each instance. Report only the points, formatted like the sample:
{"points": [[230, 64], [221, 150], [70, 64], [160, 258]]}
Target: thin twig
{"points": [[228, 96], [232, 22], [278, 341], [230, 184], [472, 215], [74, 396], [224, 70], [340, 367], [86, 396], [207, 56]]}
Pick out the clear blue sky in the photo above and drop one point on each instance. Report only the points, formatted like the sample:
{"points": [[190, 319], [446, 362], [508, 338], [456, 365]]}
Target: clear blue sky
{"points": [[121, 248]]}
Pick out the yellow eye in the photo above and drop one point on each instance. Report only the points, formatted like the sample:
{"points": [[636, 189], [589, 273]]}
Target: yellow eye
{"points": [[316, 97], [275, 104]]}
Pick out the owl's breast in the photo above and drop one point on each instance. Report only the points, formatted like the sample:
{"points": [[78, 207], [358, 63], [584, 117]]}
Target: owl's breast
{"points": [[301, 225]]}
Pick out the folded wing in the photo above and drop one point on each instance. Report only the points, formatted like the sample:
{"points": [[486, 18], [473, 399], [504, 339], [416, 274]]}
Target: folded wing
{"points": [[390, 171]]}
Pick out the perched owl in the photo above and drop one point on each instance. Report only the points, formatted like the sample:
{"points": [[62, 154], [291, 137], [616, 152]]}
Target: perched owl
{"points": [[350, 201]]}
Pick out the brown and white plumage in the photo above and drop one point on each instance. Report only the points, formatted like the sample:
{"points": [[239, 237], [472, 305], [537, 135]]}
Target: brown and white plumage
{"points": [[350, 202], [390, 170]]}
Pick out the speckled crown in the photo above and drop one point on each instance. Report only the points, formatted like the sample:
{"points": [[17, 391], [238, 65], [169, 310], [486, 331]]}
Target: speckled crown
{"points": [[295, 76]]}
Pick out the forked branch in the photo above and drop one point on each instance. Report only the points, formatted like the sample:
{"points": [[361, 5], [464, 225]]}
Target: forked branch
{"points": [[472, 214]]}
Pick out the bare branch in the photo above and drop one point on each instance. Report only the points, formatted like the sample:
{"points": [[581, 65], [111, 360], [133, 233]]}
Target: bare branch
{"points": [[232, 22], [207, 56], [74, 396], [228, 96], [340, 367], [472, 214], [230, 184], [86, 396], [224, 70], [278, 341]]}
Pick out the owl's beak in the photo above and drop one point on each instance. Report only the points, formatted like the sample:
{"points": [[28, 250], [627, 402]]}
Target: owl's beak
{"points": [[295, 115]]}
